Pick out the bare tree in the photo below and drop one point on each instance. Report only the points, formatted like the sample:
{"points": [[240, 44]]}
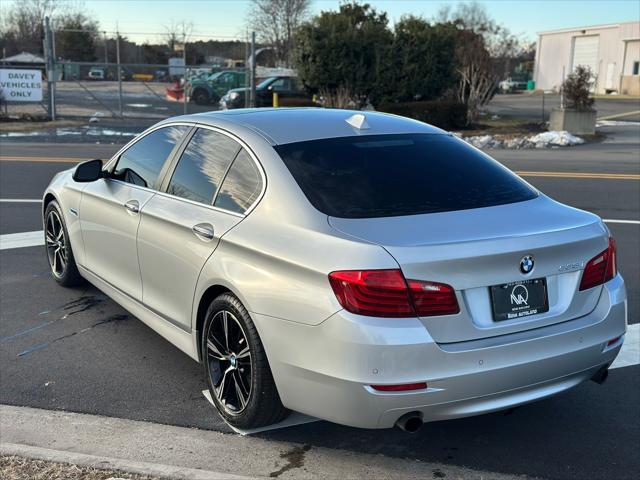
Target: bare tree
{"points": [[177, 33], [275, 23], [22, 24], [476, 77], [485, 51]]}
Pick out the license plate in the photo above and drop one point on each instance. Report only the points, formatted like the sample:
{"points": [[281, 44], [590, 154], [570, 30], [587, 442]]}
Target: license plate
{"points": [[519, 299]]}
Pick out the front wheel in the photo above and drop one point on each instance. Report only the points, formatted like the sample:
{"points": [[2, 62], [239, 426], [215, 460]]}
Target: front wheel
{"points": [[236, 367], [59, 252]]}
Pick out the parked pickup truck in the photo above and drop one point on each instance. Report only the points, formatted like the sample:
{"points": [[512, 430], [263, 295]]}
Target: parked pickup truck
{"points": [[206, 90]]}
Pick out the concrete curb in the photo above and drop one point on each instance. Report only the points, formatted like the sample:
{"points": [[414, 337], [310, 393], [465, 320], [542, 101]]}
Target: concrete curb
{"points": [[188, 453], [107, 463]]}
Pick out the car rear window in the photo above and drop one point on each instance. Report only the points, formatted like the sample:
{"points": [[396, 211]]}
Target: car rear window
{"points": [[392, 175]]}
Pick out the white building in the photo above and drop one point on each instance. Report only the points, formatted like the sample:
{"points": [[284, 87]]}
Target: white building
{"points": [[612, 52]]}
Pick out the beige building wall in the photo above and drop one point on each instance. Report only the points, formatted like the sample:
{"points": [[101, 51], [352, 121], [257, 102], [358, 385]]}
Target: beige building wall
{"points": [[618, 46]]}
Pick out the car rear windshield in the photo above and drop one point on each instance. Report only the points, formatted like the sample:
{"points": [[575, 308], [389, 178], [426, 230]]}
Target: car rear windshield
{"points": [[392, 175]]}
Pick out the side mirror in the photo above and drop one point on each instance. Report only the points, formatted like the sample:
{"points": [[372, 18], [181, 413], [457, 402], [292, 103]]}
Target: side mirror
{"points": [[88, 171]]}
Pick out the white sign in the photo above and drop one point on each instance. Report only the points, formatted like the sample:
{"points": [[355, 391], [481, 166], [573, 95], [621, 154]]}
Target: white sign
{"points": [[21, 85]]}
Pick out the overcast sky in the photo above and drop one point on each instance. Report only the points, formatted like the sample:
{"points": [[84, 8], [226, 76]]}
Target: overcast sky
{"points": [[227, 18]]}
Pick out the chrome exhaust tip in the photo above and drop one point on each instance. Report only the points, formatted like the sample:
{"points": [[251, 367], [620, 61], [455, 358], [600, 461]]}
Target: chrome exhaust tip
{"points": [[410, 422]]}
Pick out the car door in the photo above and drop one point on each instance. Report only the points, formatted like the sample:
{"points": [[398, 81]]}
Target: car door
{"points": [[110, 208], [182, 225]]}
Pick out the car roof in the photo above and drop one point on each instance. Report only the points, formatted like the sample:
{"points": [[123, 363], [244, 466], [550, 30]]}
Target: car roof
{"points": [[288, 125]]}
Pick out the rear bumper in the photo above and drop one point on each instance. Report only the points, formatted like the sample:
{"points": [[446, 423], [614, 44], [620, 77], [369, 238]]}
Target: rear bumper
{"points": [[326, 370]]}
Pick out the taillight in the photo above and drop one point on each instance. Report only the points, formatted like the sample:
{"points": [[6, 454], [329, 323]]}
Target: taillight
{"points": [[601, 268], [386, 293], [430, 298]]}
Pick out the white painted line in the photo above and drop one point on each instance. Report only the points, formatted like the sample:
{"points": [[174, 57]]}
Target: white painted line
{"points": [[632, 222], [20, 240], [292, 420], [630, 352], [20, 200]]}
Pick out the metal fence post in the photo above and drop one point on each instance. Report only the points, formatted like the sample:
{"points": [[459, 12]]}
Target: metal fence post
{"points": [[252, 98], [119, 73], [50, 67]]}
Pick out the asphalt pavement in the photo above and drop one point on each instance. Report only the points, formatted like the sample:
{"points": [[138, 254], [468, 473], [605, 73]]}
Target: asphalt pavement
{"points": [[76, 350]]}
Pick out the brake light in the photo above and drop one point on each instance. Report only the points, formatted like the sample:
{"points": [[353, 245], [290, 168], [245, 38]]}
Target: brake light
{"points": [[386, 293], [601, 268]]}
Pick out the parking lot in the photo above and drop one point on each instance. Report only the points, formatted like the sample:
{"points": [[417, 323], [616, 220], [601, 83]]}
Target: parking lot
{"points": [[76, 350]]}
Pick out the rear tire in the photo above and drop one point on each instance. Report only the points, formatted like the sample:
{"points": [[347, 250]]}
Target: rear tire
{"points": [[58, 248], [236, 368]]}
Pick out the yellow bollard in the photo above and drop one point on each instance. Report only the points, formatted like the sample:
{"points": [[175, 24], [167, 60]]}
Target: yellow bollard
{"points": [[275, 99]]}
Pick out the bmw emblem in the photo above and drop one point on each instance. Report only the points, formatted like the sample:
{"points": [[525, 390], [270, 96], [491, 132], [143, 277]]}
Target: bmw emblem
{"points": [[526, 264]]}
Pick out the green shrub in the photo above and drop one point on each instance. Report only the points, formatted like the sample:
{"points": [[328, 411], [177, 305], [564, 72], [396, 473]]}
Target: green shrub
{"points": [[445, 114], [577, 89]]}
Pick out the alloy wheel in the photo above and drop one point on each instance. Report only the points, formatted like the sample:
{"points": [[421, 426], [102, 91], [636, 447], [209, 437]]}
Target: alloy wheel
{"points": [[56, 244], [229, 360]]}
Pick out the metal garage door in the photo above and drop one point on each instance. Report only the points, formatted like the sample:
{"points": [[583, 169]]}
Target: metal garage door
{"points": [[585, 52]]}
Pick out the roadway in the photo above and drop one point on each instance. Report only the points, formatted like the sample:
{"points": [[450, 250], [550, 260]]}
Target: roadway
{"points": [[76, 350]]}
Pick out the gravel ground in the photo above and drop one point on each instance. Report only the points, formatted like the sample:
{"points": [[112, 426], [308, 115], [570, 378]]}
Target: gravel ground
{"points": [[18, 468]]}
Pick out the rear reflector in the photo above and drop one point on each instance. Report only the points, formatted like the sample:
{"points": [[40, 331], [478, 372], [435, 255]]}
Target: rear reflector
{"points": [[400, 388], [601, 268], [613, 341], [386, 293]]}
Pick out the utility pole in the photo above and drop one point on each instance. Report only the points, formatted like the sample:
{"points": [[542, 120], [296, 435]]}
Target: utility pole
{"points": [[104, 41], [252, 97], [119, 73], [50, 66]]}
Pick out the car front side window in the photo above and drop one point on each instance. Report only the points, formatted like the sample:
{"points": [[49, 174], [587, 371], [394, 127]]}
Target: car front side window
{"points": [[141, 163]]}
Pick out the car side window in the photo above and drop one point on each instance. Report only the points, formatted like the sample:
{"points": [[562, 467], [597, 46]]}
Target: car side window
{"points": [[279, 85], [241, 186], [142, 162], [202, 166]]}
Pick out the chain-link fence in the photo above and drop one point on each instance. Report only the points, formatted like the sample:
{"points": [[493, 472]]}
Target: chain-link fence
{"points": [[140, 90], [73, 89]]}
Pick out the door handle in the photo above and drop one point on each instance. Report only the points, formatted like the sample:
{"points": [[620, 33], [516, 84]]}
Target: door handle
{"points": [[203, 230], [133, 206]]}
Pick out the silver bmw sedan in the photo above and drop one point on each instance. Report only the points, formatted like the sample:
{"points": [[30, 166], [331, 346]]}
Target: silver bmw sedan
{"points": [[361, 268]]}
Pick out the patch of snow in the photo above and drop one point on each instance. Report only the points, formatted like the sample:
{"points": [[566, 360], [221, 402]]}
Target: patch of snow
{"points": [[96, 117], [554, 137], [551, 139], [484, 141]]}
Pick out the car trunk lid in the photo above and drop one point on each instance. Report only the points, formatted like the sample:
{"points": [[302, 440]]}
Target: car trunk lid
{"points": [[473, 250]]}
